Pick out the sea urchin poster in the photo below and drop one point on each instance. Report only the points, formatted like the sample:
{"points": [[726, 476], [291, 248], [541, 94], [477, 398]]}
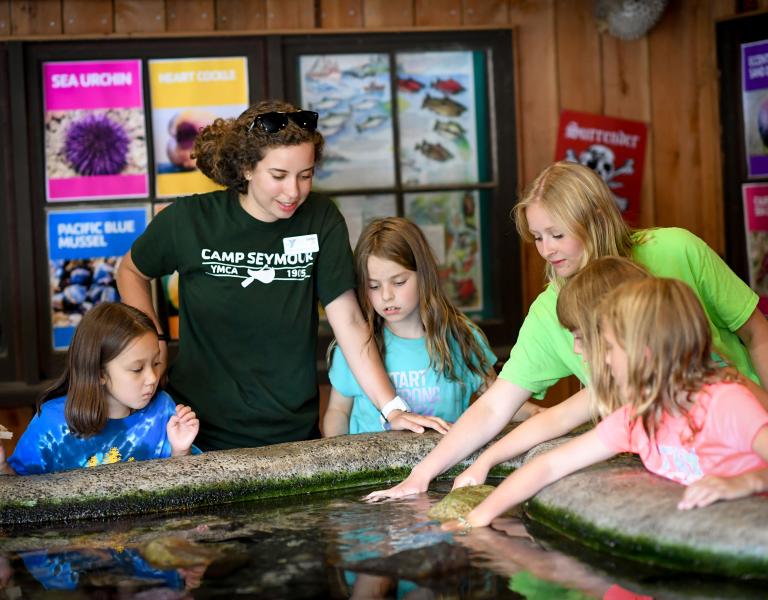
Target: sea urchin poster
{"points": [[95, 137]]}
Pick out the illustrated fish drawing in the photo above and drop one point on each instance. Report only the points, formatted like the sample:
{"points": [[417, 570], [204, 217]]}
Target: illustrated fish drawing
{"points": [[325, 103], [365, 104], [324, 68], [371, 122], [443, 106], [447, 86], [451, 130], [369, 69], [332, 157], [374, 88], [409, 85], [436, 152]]}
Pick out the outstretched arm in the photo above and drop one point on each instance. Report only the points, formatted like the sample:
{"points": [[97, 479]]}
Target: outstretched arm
{"points": [[336, 418], [480, 422], [710, 489], [549, 424], [585, 450], [351, 331], [754, 334], [135, 290]]}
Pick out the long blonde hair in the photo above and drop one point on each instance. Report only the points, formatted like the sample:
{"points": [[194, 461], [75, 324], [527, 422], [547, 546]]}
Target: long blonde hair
{"points": [[401, 241], [583, 204], [662, 327]]}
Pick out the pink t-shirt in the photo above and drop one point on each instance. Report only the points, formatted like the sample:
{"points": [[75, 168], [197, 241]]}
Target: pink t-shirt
{"points": [[728, 417]]}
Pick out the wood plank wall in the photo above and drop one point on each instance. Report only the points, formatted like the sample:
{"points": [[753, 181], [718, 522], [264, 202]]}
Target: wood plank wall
{"points": [[667, 78]]}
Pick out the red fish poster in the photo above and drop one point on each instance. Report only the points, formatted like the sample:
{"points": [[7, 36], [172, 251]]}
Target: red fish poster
{"points": [[755, 197], [614, 148], [95, 137]]}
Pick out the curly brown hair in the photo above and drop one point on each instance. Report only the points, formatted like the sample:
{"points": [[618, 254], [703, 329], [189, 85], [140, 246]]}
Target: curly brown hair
{"points": [[227, 148]]}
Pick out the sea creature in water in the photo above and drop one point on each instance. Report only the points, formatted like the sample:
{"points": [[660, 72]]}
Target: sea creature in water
{"points": [[365, 104], [443, 106], [371, 122], [409, 85], [325, 103], [97, 145], [459, 502], [450, 129], [447, 86], [436, 152]]}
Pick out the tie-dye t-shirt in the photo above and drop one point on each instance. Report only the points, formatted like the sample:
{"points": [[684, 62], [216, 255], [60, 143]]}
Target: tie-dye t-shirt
{"points": [[48, 445]]}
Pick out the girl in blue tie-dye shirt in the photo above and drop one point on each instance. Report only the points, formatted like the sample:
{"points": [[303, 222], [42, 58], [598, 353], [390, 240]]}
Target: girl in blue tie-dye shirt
{"points": [[105, 407]]}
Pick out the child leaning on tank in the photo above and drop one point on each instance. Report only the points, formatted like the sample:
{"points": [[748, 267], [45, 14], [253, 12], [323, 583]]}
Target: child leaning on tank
{"points": [[436, 357], [106, 407], [663, 396]]}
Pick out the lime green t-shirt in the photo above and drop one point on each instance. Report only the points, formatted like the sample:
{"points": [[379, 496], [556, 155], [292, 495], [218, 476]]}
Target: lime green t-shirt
{"points": [[543, 353]]}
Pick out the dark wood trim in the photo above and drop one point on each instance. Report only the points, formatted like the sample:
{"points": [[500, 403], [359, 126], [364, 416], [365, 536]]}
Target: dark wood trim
{"points": [[731, 35]]}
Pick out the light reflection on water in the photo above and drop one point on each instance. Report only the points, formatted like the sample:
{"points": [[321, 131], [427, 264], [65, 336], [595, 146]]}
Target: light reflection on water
{"points": [[325, 546]]}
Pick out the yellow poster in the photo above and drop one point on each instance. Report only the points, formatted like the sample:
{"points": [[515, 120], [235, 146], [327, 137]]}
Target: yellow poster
{"points": [[187, 94]]}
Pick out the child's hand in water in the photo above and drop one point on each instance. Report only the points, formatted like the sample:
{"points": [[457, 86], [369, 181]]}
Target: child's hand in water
{"points": [[413, 484], [182, 429], [476, 474], [710, 489]]}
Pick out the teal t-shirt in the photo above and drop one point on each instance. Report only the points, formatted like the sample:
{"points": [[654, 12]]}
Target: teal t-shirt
{"points": [[426, 391], [543, 353]]}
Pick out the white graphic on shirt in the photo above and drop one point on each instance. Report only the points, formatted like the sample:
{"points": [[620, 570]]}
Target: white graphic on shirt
{"points": [[680, 464], [257, 266], [411, 386]]}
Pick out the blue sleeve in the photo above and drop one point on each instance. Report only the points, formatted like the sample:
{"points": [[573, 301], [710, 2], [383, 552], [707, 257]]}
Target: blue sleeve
{"points": [[341, 377], [27, 457]]}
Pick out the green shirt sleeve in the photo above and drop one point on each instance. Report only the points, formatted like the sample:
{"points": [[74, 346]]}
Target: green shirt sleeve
{"points": [[543, 353]]}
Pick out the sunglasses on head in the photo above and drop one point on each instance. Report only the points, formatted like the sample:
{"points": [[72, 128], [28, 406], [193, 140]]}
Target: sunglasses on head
{"points": [[272, 122]]}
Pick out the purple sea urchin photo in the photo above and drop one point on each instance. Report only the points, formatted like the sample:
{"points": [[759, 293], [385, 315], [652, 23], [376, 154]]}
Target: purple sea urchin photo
{"points": [[97, 145]]}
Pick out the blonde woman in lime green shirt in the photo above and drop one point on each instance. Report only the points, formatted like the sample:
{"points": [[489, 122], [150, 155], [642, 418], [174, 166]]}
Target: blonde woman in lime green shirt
{"points": [[569, 213]]}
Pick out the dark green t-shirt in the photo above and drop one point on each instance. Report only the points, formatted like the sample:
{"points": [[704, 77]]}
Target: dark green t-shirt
{"points": [[248, 312]]}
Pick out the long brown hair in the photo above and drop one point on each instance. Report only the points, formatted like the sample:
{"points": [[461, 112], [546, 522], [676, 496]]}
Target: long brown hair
{"points": [[103, 333], [662, 327], [401, 241], [227, 148], [582, 203]]}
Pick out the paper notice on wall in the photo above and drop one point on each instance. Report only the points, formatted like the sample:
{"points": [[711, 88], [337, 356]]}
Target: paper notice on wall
{"points": [[187, 95], [95, 136], [755, 197]]}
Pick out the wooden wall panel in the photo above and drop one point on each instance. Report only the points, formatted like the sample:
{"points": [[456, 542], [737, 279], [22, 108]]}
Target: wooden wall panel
{"points": [[87, 16], [578, 58], [679, 195], [485, 12], [241, 15], [5, 17], [36, 17], [341, 14], [291, 14], [626, 94], [139, 16], [190, 15], [388, 13], [444, 14]]}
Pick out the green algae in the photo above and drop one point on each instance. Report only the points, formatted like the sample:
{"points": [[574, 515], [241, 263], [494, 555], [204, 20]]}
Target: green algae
{"points": [[187, 497], [645, 549], [458, 503]]}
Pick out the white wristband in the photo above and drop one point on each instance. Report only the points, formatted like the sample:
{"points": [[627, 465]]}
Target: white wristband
{"points": [[397, 403]]}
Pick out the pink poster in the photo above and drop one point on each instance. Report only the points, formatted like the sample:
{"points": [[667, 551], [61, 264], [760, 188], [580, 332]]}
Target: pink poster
{"points": [[95, 136], [755, 197]]}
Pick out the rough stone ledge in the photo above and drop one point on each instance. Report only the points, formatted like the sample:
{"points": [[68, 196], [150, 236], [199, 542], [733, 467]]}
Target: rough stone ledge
{"points": [[615, 506]]}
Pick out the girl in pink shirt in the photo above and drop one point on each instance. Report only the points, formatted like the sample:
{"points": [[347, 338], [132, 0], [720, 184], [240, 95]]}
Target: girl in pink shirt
{"points": [[666, 399]]}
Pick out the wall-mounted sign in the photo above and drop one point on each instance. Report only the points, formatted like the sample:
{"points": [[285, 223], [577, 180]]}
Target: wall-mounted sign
{"points": [[95, 138], [614, 148]]}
